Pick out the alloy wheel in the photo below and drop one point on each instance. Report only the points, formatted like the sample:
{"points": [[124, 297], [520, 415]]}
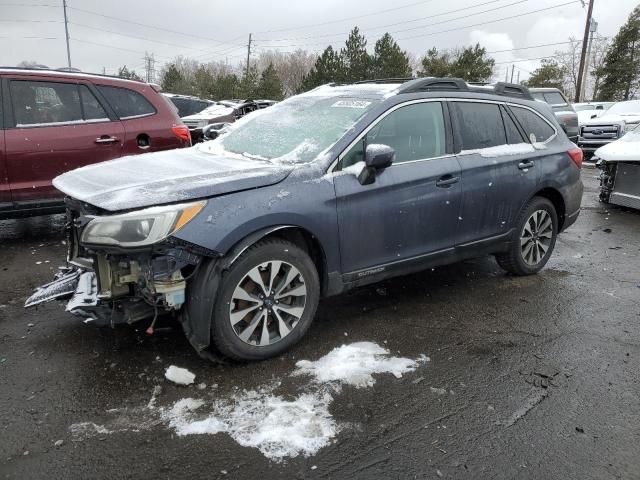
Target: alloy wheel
{"points": [[536, 237], [267, 303]]}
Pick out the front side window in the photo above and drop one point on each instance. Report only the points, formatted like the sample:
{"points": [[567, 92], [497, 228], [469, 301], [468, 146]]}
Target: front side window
{"points": [[415, 132], [480, 125], [126, 103], [41, 103], [535, 127]]}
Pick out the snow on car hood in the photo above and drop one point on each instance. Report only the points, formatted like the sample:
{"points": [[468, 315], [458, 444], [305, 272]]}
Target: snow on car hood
{"points": [[626, 149], [613, 119], [166, 177], [211, 112]]}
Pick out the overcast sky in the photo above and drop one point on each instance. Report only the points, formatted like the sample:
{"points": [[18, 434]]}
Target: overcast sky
{"points": [[108, 34]]}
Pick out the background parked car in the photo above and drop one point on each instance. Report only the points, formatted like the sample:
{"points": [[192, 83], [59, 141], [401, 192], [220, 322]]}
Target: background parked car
{"points": [[620, 165], [588, 110], [564, 112], [620, 118], [187, 104], [52, 122], [214, 114]]}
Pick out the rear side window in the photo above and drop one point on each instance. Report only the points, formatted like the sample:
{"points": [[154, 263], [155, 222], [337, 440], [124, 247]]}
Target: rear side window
{"points": [[91, 106], [41, 103], [537, 129], [480, 125], [126, 102], [510, 128]]}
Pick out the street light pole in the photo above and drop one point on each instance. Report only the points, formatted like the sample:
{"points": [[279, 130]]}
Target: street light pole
{"points": [[66, 31], [583, 54]]}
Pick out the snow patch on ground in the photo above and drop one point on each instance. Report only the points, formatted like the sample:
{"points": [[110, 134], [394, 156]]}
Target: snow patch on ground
{"points": [[276, 426], [178, 375], [354, 365]]}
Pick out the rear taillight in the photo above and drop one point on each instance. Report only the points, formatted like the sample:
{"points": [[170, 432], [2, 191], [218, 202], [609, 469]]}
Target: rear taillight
{"points": [[576, 155], [182, 132]]}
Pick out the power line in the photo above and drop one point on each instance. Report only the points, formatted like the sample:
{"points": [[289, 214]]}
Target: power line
{"points": [[150, 26], [28, 21], [451, 29], [411, 21], [300, 27]]}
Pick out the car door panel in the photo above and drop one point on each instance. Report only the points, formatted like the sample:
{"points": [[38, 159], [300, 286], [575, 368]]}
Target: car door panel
{"points": [[412, 207], [38, 152]]}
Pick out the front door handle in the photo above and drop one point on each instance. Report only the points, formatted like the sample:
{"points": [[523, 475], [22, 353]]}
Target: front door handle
{"points": [[106, 139], [446, 181], [526, 165]]}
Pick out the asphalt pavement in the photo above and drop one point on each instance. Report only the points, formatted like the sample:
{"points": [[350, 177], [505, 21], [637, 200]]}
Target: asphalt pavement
{"points": [[532, 378]]}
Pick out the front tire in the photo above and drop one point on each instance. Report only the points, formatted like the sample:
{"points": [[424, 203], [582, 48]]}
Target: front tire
{"points": [[533, 239], [266, 301]]}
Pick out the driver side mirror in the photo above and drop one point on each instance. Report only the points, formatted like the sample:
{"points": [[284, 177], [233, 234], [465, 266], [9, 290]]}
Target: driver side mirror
{"points": [[376, 157]]}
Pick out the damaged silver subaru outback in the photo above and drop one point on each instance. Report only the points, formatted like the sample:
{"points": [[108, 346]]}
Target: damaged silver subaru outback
{"points": [[342, 186]]}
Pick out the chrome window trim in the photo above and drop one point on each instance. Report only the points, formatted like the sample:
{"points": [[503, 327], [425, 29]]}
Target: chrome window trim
{"points": [[334, 164]]}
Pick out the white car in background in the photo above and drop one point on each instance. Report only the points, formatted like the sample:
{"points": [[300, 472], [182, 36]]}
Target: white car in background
{"points": [[619, 162], [618, 119], [588, 110]]}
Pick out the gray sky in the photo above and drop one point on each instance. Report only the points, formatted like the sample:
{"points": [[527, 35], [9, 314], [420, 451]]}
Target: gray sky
{"points": [[207, 30]]}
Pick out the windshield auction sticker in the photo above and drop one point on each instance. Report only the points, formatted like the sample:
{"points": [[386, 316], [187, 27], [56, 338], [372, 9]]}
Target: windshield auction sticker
{"points": [[351, 104]]}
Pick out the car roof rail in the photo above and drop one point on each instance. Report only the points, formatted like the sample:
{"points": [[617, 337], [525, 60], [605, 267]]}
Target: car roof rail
{"points": [[431, 84], [386, 80], [512, 90]]}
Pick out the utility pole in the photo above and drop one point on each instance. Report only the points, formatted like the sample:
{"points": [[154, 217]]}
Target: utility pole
{"points": [[593, 27], [506, 74], [66, 31], [518, 80], [583, 54], [513, 67], [248, 55]]}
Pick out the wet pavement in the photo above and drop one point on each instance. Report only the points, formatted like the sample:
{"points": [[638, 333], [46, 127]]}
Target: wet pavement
{"points": [[534, 377]]}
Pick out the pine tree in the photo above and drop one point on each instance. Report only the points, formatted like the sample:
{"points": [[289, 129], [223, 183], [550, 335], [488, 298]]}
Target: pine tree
{"points": [[124, 72], [389, 61], [621, 70], [356, 60], [249, 83], [549, 74], [270, 86], [470, 64], [328, 68], [435, 64], [204, 82], [473, 65], [172, 80]]}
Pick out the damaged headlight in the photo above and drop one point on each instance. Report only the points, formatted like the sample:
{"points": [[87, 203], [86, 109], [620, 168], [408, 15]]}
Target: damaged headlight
{"points": [[140, 228]]}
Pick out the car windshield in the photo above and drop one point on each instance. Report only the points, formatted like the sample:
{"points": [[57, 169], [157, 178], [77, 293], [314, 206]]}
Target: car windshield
{"points": [[625, 108], [296, 130]]}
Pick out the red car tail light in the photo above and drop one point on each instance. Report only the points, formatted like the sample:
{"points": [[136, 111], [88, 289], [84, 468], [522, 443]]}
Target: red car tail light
{"points": [[182, 132], [576, 155]]}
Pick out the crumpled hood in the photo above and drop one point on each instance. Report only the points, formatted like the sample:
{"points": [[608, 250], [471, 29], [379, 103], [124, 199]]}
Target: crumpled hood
{"points": [[213, 111], [166, 177], [613, 119], [626, 149]]}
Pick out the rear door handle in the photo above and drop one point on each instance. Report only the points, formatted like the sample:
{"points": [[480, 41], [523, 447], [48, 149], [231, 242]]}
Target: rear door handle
{"points": [[446, 181], [106, 140], [526, 165]]}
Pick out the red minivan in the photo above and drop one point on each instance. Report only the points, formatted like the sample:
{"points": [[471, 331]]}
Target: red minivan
{"points": [[53, 121]]}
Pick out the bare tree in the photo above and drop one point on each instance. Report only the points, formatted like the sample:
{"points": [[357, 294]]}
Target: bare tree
{"points": [[291, 67], [599, 48], [569, 60]]}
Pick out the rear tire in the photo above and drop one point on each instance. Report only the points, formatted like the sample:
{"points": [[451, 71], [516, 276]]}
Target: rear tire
{"points": [[266, 301], [533, 239]]}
